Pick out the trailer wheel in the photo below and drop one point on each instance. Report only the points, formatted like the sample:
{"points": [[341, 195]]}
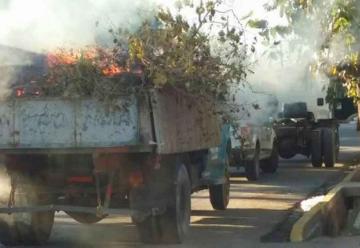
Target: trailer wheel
{"points": [[220, 194], [85, 218], [252, 167], [31, 228], [337, 140], [271, 164], [316, 148], [329, 147], [172, 226]]}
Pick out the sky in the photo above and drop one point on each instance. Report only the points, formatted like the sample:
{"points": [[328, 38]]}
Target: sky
{"points": [[46, 24]]}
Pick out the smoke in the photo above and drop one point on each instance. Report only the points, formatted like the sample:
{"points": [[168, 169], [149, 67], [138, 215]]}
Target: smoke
{"points": [[31, 28], [39, 25], [282, 67]]}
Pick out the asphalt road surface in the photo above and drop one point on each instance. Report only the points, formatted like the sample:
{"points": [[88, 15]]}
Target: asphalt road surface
{"points": [[255, 210]]}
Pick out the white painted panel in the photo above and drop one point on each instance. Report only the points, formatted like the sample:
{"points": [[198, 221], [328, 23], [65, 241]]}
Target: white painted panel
{"points": [[44, 124], [99, 126]]}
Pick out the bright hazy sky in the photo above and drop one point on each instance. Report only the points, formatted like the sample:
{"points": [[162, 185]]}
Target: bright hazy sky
{"points": [[42, 24]]}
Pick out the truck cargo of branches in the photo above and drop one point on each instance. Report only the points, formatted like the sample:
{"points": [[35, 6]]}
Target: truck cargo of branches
{"points": [[142, 158]]}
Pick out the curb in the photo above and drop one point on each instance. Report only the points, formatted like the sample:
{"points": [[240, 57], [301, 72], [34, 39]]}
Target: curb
{"points": [[329, 215]]}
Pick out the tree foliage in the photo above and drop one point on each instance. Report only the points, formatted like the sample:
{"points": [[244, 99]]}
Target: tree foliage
{"points": [[337, 38], [204, 55]]}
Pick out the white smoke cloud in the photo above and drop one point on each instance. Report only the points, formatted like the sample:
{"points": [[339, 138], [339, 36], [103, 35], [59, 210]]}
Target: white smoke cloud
{"points": [[39, 25], [283, 70]]}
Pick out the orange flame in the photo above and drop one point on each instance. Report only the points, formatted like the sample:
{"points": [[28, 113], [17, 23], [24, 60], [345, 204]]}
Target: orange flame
{"points": [[113, 70], [103, 59]]}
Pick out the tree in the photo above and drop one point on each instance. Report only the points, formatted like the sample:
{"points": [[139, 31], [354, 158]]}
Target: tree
{"points": [[204, 55], [336, 42]]}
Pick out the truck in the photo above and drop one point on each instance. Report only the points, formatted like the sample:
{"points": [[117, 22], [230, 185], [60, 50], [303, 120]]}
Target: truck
{"points": [[253, 140], [312, 132], [143, 158]]}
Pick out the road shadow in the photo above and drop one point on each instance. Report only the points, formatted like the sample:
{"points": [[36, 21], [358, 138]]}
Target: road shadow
{"points": [[208, 229]]}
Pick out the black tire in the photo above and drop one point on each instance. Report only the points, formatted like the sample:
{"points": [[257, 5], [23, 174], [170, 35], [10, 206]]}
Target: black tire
{"points": [[329, 147], [252, 168], [271, 164], [31, 228], [316, 148], [337, 140], [220, 194], [172, 226], [287, 148], [85, 218]]}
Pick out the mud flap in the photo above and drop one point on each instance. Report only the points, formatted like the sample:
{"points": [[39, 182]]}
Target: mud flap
{"points": [[218, 160], [152, 198], [145, 203]]}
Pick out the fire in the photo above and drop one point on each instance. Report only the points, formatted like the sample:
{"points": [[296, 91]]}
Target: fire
{"points": [[103, 59], [113, 70], [60, 58]]}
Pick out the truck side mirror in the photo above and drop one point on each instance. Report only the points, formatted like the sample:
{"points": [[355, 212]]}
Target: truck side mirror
{"points": [[320, 102]]}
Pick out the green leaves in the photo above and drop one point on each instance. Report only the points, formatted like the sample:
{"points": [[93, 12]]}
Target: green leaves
{"points": [[341, 24], [182, 55], [339, 29], [259, 24]]}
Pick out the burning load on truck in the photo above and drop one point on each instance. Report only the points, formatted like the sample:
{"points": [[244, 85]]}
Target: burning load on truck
{"points": [[131, 130], [141, 154]]}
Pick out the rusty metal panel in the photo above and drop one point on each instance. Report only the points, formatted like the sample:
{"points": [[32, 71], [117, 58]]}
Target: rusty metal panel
{"points": [[48, 123], [183, 122], [6, 124], [145, 123], [99, 126]]}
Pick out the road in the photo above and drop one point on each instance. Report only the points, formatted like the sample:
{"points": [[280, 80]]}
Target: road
{"points": [[254, 213]]}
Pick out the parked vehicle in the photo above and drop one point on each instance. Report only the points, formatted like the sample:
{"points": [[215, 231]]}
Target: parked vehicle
{"points": [[142, 159], [310, 132], [253, 139]]}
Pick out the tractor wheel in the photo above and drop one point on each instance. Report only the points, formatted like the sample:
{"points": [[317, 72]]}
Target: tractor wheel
{"points": [[271, 164], [252, 167], [171, 226], [329, 147]]}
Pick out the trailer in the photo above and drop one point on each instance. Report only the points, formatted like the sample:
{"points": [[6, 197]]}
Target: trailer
{"points": [[142, 158]]}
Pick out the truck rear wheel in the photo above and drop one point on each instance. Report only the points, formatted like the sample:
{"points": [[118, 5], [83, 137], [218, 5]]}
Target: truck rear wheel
{"points": [[220, 194], [271, 164], [316, 148], [171, 226], [31, 228], [329, 147], [252, 167]]}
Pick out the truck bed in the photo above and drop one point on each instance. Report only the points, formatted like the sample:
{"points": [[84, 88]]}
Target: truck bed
{"points": [[168, 120]]}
